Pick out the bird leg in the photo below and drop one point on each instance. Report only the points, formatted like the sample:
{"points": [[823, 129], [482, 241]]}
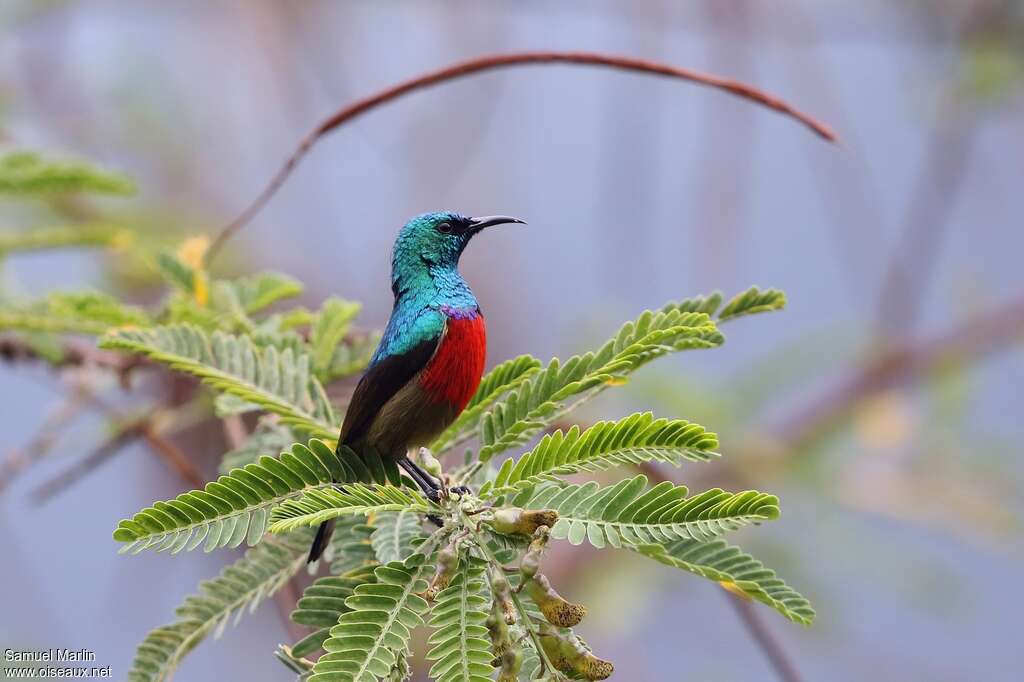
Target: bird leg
{"points": [[426, 483], [433, 490]]}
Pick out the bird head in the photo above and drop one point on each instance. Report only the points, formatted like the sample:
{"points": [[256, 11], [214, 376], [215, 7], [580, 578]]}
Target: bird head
{"points": [[436, 240]]}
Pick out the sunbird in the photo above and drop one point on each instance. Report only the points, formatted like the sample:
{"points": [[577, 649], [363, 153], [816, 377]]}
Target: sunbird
{"points": [[430, 360]]}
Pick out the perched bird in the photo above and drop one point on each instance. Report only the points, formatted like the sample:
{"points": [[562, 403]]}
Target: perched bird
{"points": [[431, 357]]}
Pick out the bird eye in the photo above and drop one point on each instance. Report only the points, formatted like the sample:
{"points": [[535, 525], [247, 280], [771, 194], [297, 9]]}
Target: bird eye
{"points": [[445, 228]]}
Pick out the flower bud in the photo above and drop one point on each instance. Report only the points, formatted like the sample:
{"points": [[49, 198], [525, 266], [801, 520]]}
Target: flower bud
{"points": [[430, 463]]}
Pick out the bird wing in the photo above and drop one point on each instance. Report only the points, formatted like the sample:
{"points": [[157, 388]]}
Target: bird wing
{"points": [[383, 380]]}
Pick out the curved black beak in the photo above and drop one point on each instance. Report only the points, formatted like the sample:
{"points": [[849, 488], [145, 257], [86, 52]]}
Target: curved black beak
{"points": [[478, 224]]}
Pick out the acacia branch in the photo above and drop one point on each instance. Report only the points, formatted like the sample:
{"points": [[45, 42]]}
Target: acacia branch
{"points": [[125, 434], [74, 353], [766, 642], [499, 61]]}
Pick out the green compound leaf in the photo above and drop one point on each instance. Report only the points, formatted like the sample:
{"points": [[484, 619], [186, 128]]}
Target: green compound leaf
{"points": [[374, 634], [605, 445], [753, 301], [278, 381], [630, 513], [240, 587], [460, 644], [719, 561], [236, 507], [350, 546], [75, 313], [30, 173], [545, 396], [328, 329], [322, 604], [256, 292], [65, 236], [397, 535], [317, 505]]}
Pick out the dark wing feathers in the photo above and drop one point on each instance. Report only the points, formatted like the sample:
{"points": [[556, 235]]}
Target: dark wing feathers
{"points": [[379, 384]]}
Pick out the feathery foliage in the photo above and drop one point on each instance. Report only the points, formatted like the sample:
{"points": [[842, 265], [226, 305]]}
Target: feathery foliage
{"points": [[239, 587], [542, 397], [279, 382], [236, 507], [350, 546], [396, 535], [752, 301], [322, 604], [318, 505], [460, 646], [330, 325], [370, 638], [29, 173], [255, 292], [77, 313], [352, 356], [605, 445], [86, 235], [630, 513], [717, 560]]}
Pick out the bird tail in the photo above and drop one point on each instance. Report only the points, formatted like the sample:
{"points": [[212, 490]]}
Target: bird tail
{"points": [[323, 536]]}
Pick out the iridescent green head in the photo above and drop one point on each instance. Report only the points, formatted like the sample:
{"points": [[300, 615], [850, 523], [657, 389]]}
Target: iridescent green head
{"points": [[434, 242]]}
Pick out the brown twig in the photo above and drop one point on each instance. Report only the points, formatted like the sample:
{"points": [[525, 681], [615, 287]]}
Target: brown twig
{"points": [[235, 433], [125, 434], [74, 353], [763, 636], [173, 455], [489, 62], [926, 227], [46, 436]]}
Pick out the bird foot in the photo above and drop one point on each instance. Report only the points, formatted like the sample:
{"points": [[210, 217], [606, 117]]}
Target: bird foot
{"points": [[435, 495]]}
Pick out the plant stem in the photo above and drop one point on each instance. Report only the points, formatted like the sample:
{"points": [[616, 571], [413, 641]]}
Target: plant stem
{"points": [[524, 616]]}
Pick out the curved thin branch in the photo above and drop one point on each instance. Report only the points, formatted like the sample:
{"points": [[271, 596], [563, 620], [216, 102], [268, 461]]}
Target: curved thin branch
{"points": [[762, 635], [479, 64]]}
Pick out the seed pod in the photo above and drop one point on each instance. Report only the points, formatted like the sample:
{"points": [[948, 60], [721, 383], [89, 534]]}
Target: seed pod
{"points": [[518, 521], [511, 662], [503, 597], [531, 560], [497, 628], [430, 463], [447, 564], [568, 654], [555, 608]]}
